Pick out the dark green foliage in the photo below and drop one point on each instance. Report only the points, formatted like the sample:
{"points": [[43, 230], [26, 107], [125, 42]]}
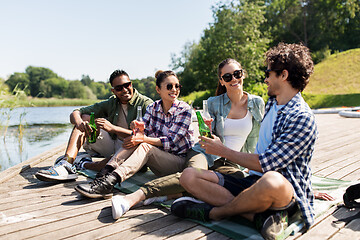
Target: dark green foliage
{"points": [[146, 86], [236, 34]]}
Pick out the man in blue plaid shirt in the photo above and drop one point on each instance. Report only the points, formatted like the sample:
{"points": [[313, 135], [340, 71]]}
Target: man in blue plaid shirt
{"points": [[279, 181]]}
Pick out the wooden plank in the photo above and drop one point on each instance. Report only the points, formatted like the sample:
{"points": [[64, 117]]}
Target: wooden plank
{"points": [[89, 231], [144, 229], [10, 172], [171, 230], [326, 228], [350, 231]]}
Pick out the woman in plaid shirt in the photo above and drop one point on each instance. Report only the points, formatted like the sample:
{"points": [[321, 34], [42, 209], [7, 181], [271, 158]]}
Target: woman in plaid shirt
{"points": [[167, 138]]}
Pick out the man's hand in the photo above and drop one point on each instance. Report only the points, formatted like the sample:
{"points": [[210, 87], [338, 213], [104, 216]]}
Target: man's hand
{"points": [[323, 196], [104, 124], [131, 142], [212, 146], [84, 127]]}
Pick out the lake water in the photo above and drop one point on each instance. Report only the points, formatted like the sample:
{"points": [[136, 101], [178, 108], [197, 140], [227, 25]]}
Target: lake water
{"points": [[43, 129]]}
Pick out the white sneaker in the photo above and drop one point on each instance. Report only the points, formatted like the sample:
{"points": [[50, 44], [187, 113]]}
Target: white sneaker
{"points": [[62, 171], [119, 206]]}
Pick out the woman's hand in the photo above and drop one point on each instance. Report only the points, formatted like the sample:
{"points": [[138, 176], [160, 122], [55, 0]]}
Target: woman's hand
{"points": [[132, 141], [212, 146]]}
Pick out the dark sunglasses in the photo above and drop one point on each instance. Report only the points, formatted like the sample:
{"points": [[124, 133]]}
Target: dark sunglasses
{"points": [[227, 77], [169, 86], [119, 88], [267, 72]]}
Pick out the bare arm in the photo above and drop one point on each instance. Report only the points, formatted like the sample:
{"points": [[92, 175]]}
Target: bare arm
{"points": [[81, 122], [110, 128], [216, 147]]}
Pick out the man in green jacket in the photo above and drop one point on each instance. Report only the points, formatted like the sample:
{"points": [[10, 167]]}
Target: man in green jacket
{"points": [[112, 117]]}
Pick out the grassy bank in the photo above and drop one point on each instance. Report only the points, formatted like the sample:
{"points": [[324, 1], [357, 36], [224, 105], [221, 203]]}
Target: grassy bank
{"points": [[23, 101], [329, 100]]}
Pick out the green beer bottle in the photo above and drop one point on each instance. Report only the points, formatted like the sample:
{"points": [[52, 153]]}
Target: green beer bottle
{"points": [[92, 136], [204, 130]]}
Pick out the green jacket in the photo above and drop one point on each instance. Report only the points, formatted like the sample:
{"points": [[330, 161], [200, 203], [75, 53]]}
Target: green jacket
{"points": [[219, 108], [109, 109]]}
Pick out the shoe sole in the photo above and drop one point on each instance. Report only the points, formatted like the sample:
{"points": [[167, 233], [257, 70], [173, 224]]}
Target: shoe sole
{"points": [[93, 195], [49, 178], [188, 199]]}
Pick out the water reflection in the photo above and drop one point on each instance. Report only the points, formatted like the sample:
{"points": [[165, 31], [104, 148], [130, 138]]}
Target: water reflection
{"points": [[31, 131]]}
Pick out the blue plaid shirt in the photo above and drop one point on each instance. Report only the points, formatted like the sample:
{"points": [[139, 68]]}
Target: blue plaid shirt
{"points": [[174, 128], [291, 149]]}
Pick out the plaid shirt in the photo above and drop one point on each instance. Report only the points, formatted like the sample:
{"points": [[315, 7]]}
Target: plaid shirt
{"points": [[174, 128], [290, 152]]}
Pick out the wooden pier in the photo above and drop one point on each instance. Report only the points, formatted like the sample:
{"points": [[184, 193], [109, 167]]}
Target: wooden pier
{"points": [[31, 209]]}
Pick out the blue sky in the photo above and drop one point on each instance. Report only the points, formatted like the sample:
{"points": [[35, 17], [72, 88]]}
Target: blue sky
{"points": [[75, 37]]}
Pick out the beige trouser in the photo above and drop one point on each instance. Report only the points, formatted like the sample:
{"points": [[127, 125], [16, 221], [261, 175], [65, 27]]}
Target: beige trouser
{"points": [[127, 162], [104, 145], [170, 185]]}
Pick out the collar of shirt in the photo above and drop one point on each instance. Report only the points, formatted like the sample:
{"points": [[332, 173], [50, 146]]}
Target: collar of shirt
{"points": [[135, 95], [172, 110]]}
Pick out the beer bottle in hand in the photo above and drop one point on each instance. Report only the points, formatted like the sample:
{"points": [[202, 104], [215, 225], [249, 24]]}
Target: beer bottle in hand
{"points": [[92, 135], [204, 130]]}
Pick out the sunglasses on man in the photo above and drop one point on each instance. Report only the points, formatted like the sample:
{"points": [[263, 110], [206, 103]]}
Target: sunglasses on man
{"points": [[227, 77], [170, 86], [119, 88]]}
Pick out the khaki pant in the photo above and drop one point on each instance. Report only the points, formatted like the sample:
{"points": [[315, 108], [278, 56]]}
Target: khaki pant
{"points": [[104, 145], [170, 184], [127, 162]]}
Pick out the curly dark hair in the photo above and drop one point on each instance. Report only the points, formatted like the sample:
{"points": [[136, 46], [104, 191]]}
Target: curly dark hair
{"points": [[161, 75], [296, 59], [116, 74]]}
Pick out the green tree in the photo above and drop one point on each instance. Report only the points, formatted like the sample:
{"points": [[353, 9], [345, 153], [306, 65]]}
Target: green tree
{"points": [[86, 80], [100, 89], [36, 76], [53, 87], [77, 90], [319, 24], [19, 80], [236, 34], [146, 86]]}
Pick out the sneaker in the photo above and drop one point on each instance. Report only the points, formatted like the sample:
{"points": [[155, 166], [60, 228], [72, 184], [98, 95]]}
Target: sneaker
{"points": [[350, 203], [119, 206], [188, 207], [271, 226], [81, 159], [61, 171], [100, 187]]}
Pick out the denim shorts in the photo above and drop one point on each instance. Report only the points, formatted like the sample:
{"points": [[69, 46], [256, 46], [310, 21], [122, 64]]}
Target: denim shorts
{"points": [[237, 185]]}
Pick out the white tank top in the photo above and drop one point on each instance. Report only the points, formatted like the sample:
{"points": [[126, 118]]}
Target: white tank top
{"points": [[236, 131]]}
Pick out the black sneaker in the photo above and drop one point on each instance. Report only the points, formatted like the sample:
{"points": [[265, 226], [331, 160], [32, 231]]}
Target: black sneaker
{"points": [[187, 207], [271, 224], [350, 203], [100, 187]]}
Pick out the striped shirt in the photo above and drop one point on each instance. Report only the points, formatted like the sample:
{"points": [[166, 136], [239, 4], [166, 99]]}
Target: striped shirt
{"points": [[173, 128], [290, 151]]}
